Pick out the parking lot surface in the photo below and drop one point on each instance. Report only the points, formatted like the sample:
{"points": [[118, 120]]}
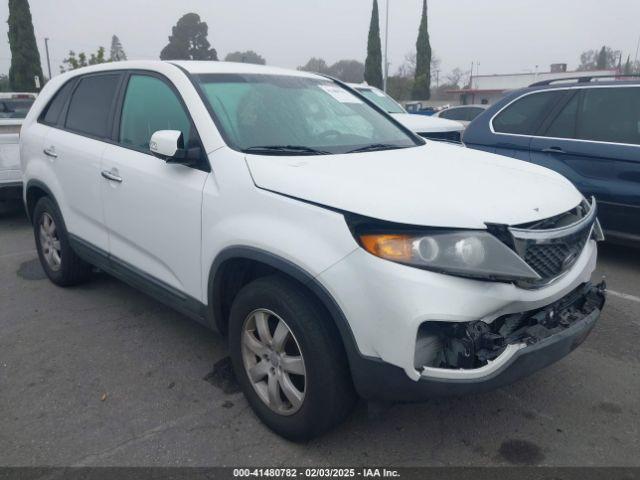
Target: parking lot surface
{"points": [[103, 375]]}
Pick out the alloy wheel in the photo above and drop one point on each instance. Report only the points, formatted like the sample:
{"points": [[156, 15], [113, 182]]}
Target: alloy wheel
{"points": [[50, 242], [273, 361]]}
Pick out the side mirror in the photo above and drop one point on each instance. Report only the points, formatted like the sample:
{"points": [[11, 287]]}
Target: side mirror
{"points": [[169, 146]]}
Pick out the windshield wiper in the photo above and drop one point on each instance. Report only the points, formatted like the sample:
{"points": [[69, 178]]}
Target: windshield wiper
{"points": [[376, 147], [284, 149]]}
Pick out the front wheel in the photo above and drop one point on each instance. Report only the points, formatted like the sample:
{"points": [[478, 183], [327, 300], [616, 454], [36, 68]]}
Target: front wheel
{"points": [[289, 359]]}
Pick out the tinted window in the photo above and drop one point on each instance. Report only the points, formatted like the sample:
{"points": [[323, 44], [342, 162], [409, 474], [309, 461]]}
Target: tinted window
{"points": [[150, 105], [454, 114], [17, 108], [91, 103], [53, 111], [525, 115], [610, 115], [564, 125], [382, 100]]}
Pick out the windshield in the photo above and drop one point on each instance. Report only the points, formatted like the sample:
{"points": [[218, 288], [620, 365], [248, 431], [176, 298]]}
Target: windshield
{"points": [[290, 115], [382, 100], [15, 108]]}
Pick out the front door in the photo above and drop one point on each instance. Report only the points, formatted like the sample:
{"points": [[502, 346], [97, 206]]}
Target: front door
{"points": [[152, 208]]}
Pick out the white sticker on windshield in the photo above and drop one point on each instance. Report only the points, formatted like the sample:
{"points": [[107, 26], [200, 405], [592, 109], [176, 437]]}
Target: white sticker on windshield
{"points": [[378, 93], [340, 94]]}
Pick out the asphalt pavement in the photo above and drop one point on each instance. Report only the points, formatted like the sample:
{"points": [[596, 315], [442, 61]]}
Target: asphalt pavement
{"points": [[102, 375]]}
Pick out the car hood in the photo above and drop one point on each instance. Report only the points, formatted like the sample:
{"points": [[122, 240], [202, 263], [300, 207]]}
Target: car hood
{"points": [[427, 124], [435, 185]]}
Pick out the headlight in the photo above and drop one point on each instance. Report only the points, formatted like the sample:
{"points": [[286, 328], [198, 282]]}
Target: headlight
{"points": [[467, 253]]}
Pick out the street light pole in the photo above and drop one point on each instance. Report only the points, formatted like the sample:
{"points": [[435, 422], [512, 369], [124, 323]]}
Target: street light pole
{"points": [[46, 47], [386, 48], [637, 50]]}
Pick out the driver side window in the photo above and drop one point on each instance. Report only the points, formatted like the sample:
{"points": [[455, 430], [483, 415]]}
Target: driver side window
{"points": [[150, 105]]}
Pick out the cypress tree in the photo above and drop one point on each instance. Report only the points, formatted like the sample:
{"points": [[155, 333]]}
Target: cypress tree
{"points": [[25, 58], [373, 64], [602, 62], [627, 67], [422, 83]]}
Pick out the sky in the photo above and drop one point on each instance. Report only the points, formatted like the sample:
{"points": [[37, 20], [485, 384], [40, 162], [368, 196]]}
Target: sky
{"points": [[503, 36]]}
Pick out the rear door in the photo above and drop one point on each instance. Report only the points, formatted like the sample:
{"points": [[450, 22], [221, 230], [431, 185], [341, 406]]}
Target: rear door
{"points": [[152, 208], [74, 148], [595, 142]]}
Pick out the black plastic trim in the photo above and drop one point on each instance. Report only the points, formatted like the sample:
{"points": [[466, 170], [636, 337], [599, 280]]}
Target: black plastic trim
{"points": [[144, 282], [293, 270], [41, 186]]}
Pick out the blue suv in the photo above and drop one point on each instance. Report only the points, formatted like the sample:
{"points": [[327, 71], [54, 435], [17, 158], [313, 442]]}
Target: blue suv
{"points": [[586, 129]]}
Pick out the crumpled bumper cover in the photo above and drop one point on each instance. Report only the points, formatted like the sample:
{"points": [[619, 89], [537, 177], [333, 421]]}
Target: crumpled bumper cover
{"points": [[375, 379]]}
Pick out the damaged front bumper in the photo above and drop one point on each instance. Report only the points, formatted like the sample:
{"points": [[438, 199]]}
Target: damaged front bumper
{"points": [[478, 358]]}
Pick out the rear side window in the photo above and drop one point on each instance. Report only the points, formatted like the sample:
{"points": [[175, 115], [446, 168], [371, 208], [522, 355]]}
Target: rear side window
{"points": [[524, 116], [151, 105], [564, 125], [610, 115], [465, 114], [90, 106], [17, 108], [54, 109]]}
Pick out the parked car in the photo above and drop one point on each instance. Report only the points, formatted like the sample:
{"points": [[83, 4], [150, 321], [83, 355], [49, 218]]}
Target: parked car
{"points": [[339, 252], [417, 108], [13, 109], [464, 114], [425, 126], [588, 131]]}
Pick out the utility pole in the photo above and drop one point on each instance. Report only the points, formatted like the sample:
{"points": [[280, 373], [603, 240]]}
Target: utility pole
{"points": [[386, 48], [637, 50], [46, 47]]}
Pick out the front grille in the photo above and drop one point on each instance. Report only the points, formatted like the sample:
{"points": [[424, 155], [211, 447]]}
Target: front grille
{"points": [[551, 247], [550, 260]]}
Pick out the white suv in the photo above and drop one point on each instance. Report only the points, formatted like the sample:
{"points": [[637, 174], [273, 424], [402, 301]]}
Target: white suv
{"points": [[339, 252]]}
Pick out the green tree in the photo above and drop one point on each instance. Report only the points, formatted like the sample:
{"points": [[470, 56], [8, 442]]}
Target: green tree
{"points": [[25, 58], [373, 63], [351, 71], [628, 70], [601, 63], [422, 83], [117, 52], [315, 65], [246, 57], [604, 58], [4, 83], [188, 41], [81, 60]]}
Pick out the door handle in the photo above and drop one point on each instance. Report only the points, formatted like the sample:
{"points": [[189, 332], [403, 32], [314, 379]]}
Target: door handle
{"points": [[111, 176], [553, 150], [50, 152]]}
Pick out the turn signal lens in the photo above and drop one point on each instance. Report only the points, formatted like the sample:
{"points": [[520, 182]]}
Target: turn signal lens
{"points": [[397, 248]]}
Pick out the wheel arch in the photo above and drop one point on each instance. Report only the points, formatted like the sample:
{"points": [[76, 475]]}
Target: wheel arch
{"points": [[231, 261], [34, 191]]}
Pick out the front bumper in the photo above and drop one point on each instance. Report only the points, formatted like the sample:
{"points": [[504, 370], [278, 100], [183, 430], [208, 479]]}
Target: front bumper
{"points": [[378, 380], [384, 303]]}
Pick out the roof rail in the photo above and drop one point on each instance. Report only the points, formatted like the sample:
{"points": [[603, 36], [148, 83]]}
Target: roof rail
{"points": [[581, 79]]}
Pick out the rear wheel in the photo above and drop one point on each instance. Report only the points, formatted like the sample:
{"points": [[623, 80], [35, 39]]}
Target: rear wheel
{"points": [[288, 359], [59, 261]]}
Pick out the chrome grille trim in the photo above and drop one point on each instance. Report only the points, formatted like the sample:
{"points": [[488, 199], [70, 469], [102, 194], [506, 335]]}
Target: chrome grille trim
{"points": [[552, 252]]}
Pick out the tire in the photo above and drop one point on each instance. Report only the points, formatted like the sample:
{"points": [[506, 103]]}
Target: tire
{"points": [[66, 269], [328, 393]]}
